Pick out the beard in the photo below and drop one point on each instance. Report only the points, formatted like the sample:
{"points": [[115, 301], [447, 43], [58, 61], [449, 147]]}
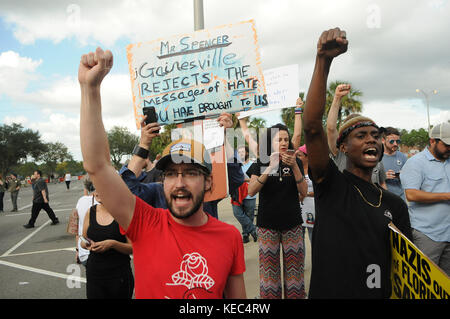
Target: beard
{"points": [[390, 149], [188, 212], [442, 156]]}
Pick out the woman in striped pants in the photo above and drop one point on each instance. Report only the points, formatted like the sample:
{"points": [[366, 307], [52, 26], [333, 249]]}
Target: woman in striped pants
{"points": [[278, 177]]}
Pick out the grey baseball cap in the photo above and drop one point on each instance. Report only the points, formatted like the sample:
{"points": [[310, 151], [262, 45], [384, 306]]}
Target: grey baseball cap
{"points": [[442, 132]]}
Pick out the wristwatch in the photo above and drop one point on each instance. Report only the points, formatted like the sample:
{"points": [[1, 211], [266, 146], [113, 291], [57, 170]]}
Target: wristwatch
{"points": [[141, 152]]}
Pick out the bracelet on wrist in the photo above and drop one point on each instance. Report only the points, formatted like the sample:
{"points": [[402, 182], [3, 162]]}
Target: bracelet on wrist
{"points": [[259, 181], [300, 180], [140, 151], [298, 110]]}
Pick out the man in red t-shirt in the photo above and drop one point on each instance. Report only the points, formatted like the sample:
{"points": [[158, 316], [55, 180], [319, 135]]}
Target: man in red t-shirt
{"points": [[179, 252]]}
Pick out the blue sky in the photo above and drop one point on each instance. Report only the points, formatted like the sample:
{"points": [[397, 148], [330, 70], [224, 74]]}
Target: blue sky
{"points": [[395, 47]]}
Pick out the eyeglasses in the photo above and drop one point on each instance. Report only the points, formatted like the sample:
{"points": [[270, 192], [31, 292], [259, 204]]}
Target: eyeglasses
{"points": [[394, 141], [189, 175]]}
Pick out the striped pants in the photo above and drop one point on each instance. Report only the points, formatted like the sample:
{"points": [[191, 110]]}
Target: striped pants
{"points": [[293, 263]]}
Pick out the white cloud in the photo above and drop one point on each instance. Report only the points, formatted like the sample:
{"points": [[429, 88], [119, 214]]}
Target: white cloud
{"points": [[403, 114], [16, 72], [60, 93], [387, 64], [14, 60], [440, 117], [96, 22], [59, 127], [59, 101], [15, 119]]}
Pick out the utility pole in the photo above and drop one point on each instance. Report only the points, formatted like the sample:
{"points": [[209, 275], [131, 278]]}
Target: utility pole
{"points": [[428, 103], [199, 22]]}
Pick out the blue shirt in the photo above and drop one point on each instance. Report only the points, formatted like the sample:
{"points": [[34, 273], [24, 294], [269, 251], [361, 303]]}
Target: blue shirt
{"points": [[395, 162], [151, 193], [424, 172]]}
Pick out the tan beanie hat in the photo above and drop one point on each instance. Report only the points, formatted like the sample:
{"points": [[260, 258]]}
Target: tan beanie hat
{"points": [[351, 124]]}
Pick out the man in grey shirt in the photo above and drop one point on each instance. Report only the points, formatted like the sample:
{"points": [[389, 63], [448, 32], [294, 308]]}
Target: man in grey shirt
{"points": [[393, 160]]}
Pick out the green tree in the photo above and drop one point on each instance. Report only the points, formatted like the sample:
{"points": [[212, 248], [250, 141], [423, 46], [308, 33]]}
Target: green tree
{"points": [[253, 125], [257, 123], [418, 138], [121, 143], [55, 153], [288, 115], [161, 141], [17, 144], [74, 167], [25, 169]]}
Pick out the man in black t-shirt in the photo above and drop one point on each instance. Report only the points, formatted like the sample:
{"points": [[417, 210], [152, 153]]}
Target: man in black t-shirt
{"points": [[351, 250], [40, 200]]}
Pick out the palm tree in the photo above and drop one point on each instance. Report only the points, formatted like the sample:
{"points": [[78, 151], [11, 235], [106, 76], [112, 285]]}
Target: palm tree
{"points": [[349, 103], [288, 115]]}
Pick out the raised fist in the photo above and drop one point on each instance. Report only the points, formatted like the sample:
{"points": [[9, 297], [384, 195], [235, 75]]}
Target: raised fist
{"points": [[299, 102], [342, 90], [225, 120], [332, 43], [94, 66]]}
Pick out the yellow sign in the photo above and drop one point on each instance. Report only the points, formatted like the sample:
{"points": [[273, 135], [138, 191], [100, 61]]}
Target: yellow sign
{"points": [[413, 274]]}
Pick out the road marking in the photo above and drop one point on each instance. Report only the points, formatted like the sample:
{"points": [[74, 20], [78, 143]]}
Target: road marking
{"points": [[25, 239], [41, 252], [26, 206], [43, 272], [62, 210], [20, 214], [16, 214]]}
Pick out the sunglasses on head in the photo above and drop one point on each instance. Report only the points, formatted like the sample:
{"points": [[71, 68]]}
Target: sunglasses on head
{"points": [[394, 141]]}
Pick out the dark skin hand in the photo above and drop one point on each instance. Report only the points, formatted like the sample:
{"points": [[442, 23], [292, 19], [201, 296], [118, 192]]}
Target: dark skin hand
{"points": [[331, 44]]}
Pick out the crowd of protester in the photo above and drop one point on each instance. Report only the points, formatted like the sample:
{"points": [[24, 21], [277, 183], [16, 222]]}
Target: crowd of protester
{"points": [[350, 181]]}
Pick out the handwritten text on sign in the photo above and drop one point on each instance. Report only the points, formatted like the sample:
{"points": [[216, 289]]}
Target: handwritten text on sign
{"points": [[282, 89], [200, 74]]}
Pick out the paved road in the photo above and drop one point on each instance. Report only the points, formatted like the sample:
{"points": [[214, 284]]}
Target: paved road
{"points": [[34, 262], [39, 262]]}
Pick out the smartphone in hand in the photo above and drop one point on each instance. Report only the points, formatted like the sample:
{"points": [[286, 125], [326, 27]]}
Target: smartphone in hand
{"points": [[290, 152], [151, 114]]}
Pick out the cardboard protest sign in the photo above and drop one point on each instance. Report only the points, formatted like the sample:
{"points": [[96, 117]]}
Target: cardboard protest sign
{"points": [[213, 134], [196, 130], [198, 75], [413, 274], [282, 89]]}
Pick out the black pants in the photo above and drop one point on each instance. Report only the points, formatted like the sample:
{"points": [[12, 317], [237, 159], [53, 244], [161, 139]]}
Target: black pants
{"points": [[118, 287], [68, 184], [1, 200], [37, 208]]}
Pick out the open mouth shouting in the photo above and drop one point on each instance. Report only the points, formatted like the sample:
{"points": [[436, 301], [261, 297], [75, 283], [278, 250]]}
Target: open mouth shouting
{"points": [[181, 198], [371, 154], [183, 204]]}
